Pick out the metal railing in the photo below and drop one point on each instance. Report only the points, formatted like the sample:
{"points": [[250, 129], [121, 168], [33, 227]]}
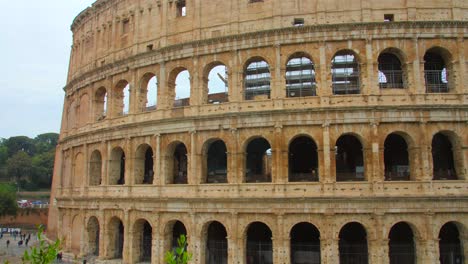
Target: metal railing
{"points": [[436, 81], [391, 79], [259, 253]]}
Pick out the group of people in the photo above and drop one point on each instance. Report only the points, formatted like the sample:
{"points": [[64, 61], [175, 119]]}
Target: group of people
{"points": [[23, 237]]}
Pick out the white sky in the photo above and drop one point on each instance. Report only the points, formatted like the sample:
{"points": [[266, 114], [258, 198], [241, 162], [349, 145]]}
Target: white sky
{"points": [[35, 41]]}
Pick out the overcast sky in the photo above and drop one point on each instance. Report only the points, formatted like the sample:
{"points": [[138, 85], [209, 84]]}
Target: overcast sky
{"points": [[35, 41]]}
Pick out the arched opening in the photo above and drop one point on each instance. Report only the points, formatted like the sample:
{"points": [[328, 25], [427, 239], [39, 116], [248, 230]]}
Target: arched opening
{"points": [[78, 170], [349, 159], [300, 77], [435, 72], [144, 173], [216, 244], [116, 238], [218, 85], [303, 160], [442, 158], [258, 161], [83, 112], [257, 80], [178, 229], [401, 244], [117, 167], [95, 165], [100, 102], [216, 162], [180, 164], [143, 235], [182, 89], [149, 92], [345, 73], [390, 71], [122, 98], [259, 244], [93, 236], [396, 158], [450, 247], [305, 244], [353, 244]]}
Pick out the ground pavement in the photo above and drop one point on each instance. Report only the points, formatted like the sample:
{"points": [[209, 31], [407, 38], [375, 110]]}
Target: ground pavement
{"points": [[14, 252]]}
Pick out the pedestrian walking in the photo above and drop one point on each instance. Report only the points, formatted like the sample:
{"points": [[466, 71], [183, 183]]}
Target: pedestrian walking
{"points": [[27, 241], [20, 243], [7, 243]]}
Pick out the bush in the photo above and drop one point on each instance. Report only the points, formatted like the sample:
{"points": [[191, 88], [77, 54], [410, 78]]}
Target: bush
{"points": [[179, 255]]}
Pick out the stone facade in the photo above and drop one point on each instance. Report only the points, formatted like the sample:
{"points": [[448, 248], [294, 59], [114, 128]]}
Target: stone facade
{"points": [[340, 136]]}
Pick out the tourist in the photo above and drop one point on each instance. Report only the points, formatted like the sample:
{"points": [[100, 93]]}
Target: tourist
{"points": [[7, 243]]}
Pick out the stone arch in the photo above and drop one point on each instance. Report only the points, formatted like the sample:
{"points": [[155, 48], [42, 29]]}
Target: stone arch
{"points": [[172, 231], [215, 83], [77, 229], [122, 98], [392, 68], [346, 73], [84, 110], [148, 96], [438, 70], [303, 159], [143, 165], [95, 168], [179, 84], [259, 243], [397, 157], [78, 170], [214, 243], [117, 167], [300, 75], [100, 103], [304, 243], [71, 113], [177, 163], [258, 160], [349, 158], [402, 246], [214, 166], [142, 241], [257, 79], [93, 235], [352, 244], [115, 238], [447, 156], [451, 243]]}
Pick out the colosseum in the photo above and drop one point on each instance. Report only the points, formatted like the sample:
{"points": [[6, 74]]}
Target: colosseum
{"points": [[280, 131]]}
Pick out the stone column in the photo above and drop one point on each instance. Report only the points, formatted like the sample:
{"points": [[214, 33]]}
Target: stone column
{"points": [[156, 255], [281, 243], [370, 87], [235, 77], [193, 175], [157, 179], [418, 72], [235, 251], [325, 172], [128, 239], [83, 237], [278, 89], [129, 162], [163, 88], [324, 86], [426, 154], [85, 181], [426, 251], [376, 174], [277, 167], [329, 251], [461, 69]]}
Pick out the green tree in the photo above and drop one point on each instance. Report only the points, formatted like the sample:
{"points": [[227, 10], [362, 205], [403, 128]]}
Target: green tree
{"points": [[19, 167], [42, 168], [179, 255], [8, 204], [20, 143], [44, 253], [46, 142]]}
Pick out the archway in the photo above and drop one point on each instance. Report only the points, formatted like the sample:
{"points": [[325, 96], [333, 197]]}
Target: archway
{"points": [[216, 162], [390, 71], [93, 236], [143, 236], [300, 77], [401, 244], [349, 159], [303, 160], [144, 173], [353, 244], [450, 247], [442, 158], [95, 165], [216, 244], [117, 167], [259, 244], [435, 71], [396, 158], [345, 73], [115, 238], [258, 161], [257, 80], [305, 244], [218, 84], [180, 164]]}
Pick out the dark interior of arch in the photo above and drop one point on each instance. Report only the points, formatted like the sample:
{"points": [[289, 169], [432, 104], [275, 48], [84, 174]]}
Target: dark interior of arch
{"points": [[95, 173], [303, 160], [216, 244], [390, 71], [450, 247], [435, 72], [258, 163], [259, 244], [217, 163], [121, 180], [353, 244], [305, 244], [180, 164], [349, 159], [93, 237], [149, 173], [442, 158], [146, 237], [119, 241], [396, 158], [177, 230], [401, 244]]}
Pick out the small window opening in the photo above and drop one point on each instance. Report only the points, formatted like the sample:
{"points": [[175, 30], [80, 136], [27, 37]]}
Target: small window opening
{"points": [[255, 1], [149, 47], [389, 18], [125, 26], [181, 8], [298, 22]]}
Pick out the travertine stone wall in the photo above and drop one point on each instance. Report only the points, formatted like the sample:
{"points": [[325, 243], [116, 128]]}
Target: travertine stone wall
{"points": [[119, 42]]}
